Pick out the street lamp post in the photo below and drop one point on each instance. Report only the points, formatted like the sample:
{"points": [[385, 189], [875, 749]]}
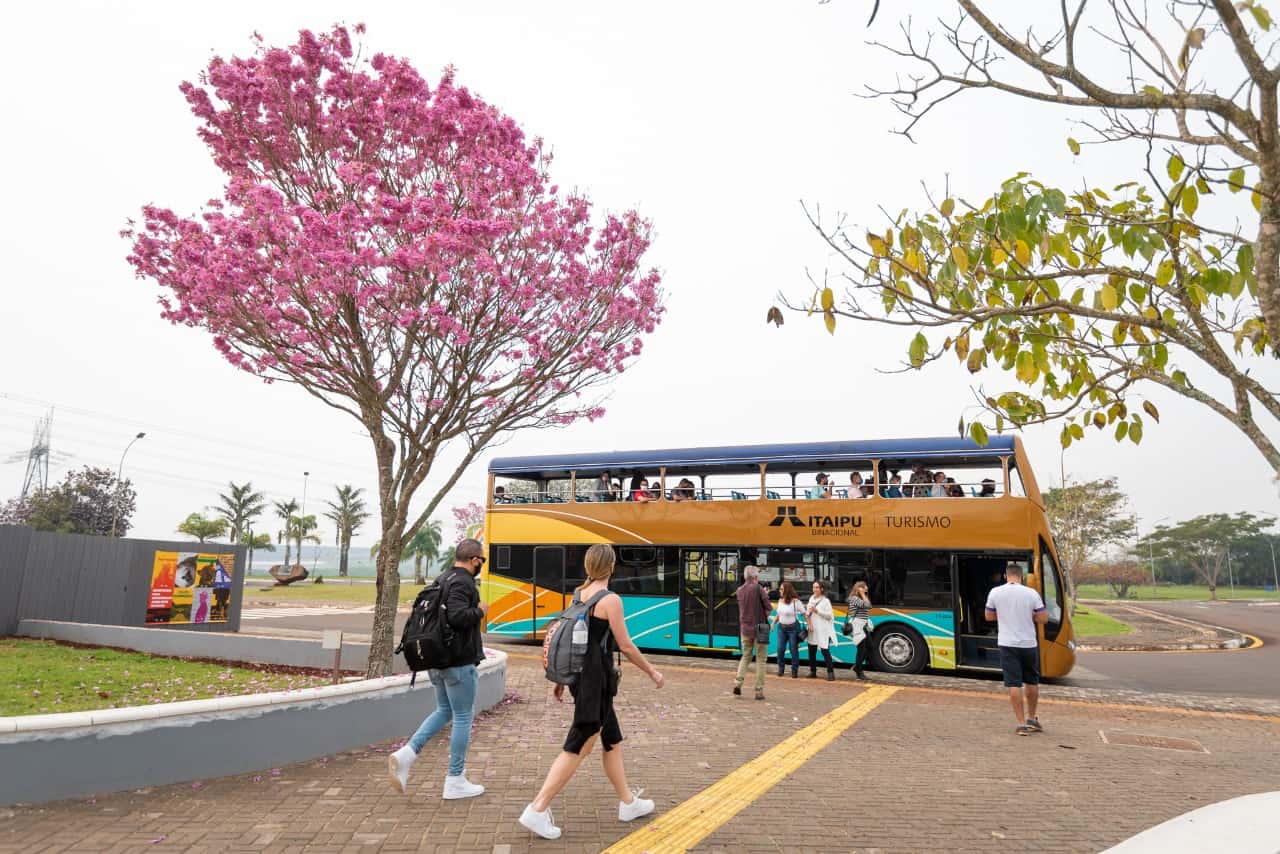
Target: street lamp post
{"points": [[1231, 579], [302, 514], [1151, 554], [1275, 577], [115, 513]]}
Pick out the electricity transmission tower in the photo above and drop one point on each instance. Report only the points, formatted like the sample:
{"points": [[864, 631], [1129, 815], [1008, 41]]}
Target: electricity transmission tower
{"points": [[37, 477]]}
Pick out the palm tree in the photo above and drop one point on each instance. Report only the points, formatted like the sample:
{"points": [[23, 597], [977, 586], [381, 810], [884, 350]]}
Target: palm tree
{"points": [[301, 528], [284, 512], [240, 508], [255, 541], [425, 545], [348, 512]]}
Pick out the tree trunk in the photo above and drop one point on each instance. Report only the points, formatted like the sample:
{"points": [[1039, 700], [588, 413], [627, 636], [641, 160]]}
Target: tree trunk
{"points": [[417, 571], [384, 608], [248, 570], [1213, 591], [342, 557], [287, 553]]}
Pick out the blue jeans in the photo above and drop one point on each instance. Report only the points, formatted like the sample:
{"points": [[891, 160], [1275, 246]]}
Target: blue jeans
{"points": [[456, 701], [789, 638]]}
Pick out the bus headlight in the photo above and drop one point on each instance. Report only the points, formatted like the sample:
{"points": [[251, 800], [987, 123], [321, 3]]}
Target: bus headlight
{"points": [[1071, 645]]}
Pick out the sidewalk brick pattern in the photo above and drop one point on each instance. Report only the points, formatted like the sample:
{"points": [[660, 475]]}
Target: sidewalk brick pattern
{"points": [[927, 770]]}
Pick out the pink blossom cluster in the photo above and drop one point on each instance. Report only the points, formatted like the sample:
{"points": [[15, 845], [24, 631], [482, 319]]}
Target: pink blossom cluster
{"points": [[467, 517], [381, 239]]}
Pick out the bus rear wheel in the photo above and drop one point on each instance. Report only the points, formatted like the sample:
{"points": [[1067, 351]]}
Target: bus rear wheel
{"points": [[898, 649]]}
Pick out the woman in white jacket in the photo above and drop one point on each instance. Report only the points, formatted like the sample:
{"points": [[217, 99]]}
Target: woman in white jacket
{"points": [[821, 621]]}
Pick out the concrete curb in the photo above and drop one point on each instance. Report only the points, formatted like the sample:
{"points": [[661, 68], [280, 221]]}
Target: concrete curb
{"points": [[1235, 640]]}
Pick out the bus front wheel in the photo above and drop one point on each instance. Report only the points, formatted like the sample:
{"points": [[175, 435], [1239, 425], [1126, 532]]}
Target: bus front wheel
{"points": [[898, 649]]}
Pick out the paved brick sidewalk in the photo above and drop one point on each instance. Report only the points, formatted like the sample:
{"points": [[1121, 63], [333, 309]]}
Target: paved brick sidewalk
{"points": [[926, 770]]}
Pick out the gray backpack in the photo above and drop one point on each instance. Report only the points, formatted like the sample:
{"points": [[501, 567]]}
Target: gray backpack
{"points": [[561, 661]]}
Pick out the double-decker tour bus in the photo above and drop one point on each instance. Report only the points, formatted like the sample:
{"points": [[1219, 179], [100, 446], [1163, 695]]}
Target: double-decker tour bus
{"points": [[929, 524]]}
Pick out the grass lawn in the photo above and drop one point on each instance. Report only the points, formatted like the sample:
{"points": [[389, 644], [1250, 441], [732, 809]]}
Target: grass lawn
{"points": [[336, 592], [1088, 623], [37, 677], [1176, 592]]}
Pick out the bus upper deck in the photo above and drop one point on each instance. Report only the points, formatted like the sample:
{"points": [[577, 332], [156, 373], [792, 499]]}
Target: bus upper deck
{"points": [[686, 521]]}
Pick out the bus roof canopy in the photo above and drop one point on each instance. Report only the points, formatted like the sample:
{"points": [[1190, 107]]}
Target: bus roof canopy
{"points": [[802, 456]]}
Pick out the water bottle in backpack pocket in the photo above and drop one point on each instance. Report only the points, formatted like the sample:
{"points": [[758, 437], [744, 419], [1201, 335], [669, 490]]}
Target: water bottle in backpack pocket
{"points": [[564, 646]]}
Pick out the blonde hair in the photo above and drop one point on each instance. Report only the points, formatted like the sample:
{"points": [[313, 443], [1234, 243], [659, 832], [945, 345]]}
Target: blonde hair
{"points": [[599, 563], [860, 585]]}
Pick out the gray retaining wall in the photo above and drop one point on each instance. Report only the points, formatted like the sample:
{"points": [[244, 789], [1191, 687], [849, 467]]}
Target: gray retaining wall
{"points": [[297, 652], [49, 757]]}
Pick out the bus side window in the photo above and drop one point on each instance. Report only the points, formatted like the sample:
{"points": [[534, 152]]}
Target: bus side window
{"points": [[519, 563]]}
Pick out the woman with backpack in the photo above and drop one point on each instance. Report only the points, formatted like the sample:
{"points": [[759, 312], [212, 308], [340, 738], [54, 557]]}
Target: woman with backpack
{"points": [[593, 713]]}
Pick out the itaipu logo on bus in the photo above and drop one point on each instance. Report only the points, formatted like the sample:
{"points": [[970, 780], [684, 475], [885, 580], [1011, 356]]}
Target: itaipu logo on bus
{"points": [[818, 525]]}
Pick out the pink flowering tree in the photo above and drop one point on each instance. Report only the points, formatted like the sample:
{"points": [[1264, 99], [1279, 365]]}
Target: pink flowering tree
{"points": [[467, 519], [399, 251]]}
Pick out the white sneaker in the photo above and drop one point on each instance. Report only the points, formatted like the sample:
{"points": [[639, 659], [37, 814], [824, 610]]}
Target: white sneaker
{"points": [[456, 788], [541, 823], [398, 764], [637, 808]]}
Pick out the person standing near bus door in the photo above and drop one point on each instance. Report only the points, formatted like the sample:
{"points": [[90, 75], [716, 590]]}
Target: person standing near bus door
{"points": [[753, 610], [821, 619], [1017, 610], [860, 625], [789, 608]]}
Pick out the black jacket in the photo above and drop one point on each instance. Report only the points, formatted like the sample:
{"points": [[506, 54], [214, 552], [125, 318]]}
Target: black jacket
{"points": [[464, 615]]}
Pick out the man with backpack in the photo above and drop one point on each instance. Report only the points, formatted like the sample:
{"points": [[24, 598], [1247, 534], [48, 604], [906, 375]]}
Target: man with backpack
{"points": [[456, 676]]}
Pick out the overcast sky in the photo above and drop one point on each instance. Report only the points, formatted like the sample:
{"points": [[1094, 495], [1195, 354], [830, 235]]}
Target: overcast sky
{"points": [[714, 119]]}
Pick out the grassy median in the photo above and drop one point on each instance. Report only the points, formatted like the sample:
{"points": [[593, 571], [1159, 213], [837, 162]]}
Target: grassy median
{"points": [[1089, 623], [38, 677], [331, 591], [1176, 593]]}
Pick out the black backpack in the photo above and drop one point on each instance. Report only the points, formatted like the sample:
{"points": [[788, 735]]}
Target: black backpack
{"points": [[427, 640]]}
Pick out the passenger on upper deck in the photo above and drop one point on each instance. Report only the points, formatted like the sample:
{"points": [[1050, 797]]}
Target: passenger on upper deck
{"points": [[683, 490], [822, 490], [500, 495], [895, 487], [919, 484], [604, 488], [855, 485], [640, 489], [954, 490], [939, 488], [988, 488]]}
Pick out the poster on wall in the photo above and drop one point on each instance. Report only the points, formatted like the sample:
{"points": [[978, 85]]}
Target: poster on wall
{"points": [[190, 587]]}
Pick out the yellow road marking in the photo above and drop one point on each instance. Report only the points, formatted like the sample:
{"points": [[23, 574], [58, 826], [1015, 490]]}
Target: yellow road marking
{"points": [[701, 815]]}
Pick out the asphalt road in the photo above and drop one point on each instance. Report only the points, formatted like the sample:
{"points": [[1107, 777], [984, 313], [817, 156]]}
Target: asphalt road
{"points": [[1239, 673]]}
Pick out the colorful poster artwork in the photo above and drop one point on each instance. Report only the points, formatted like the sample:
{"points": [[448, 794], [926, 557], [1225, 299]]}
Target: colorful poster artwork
{"points": [[190, 587]]}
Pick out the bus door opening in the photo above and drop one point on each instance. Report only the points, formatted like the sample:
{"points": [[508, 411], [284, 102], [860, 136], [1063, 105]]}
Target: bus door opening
{"points": [[548, 585], [708, 605], [976, 575]]}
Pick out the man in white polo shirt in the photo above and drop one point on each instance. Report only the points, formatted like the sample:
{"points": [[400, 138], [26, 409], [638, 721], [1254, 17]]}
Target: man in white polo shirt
{"points": [[1017, 609]]}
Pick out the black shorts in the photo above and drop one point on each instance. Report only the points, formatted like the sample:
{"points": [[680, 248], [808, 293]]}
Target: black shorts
{"points": [[610, 733], [1020, 664]]}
